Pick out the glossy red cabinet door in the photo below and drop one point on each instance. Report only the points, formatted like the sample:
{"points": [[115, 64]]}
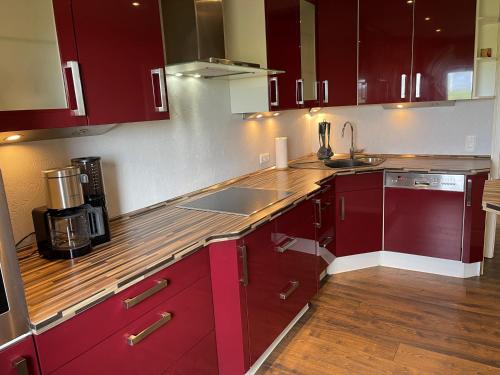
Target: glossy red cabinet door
{"points": [[385, 51], [283, 51], [411, 227], [191, 320], [19, 356], [325, 217], [120, 50], [443, 59], [52, 118], [337, 40], [359, 216]]}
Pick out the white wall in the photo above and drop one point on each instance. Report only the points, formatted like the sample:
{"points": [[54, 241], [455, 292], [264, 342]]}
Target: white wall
{"points": [[150, 162], [440, 131]]}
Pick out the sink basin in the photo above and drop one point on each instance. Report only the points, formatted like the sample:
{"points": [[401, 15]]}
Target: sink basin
{"points": [[353, 163], [345, 163]]}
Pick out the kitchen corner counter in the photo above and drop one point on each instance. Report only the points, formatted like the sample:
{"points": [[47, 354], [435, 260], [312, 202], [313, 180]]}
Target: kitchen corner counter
{"points": [[146, 241], [491, 196]]}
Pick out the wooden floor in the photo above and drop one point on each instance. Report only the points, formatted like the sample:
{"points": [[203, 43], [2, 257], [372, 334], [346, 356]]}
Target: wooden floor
{"points": [[389, 321]]}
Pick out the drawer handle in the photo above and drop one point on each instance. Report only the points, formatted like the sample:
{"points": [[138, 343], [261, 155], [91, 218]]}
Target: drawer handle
{"points": [[244, 265], [136, 339], [131, 302], [293, 287], [21, 366], [326, 242], [282, 248]]}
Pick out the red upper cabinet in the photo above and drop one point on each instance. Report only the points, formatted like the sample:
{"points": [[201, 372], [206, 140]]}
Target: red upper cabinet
{"points": [[385, 51], [283, 52], [443, 59], [40, 35], [337, 52], [121, 57]]}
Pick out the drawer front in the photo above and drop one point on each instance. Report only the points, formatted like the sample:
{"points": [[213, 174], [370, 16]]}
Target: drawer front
{"points": [[360, 181], [18, 357], [201, 360], [94, 325], [191, 319]]}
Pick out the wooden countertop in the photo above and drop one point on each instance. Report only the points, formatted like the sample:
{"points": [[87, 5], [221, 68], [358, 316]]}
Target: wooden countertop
{"points": [[151, 239], [491, 196]]}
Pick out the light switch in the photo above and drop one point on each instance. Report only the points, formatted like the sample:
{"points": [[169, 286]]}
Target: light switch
{"points": [[470, 143], [264, 158]]}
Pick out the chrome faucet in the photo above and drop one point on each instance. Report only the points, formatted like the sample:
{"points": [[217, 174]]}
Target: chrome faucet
{"points": [[351, 150]]}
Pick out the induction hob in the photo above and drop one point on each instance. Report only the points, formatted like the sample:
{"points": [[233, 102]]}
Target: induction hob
{"points": [[237, 200]]}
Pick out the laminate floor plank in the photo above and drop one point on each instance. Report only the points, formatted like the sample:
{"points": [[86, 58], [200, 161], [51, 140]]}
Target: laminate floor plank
{"points": [[389, 321]]}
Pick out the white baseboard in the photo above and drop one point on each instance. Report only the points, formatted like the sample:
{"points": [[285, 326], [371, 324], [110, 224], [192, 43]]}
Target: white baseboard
{"points": [[410, 262], [276, 342]]}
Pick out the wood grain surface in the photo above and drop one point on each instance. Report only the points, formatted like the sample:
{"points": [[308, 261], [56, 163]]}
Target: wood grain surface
{"points": [[491, 196], [145, 241], [389, 321]]}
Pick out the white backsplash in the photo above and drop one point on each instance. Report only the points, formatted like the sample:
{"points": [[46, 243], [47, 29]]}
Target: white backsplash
{"points": [[202, 144]]}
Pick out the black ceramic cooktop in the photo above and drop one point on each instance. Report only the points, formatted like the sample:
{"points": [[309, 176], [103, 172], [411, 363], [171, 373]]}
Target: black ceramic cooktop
{"points": [[237, 200]]}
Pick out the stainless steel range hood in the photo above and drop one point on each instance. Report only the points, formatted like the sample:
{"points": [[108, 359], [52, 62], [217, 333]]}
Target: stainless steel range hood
{"points": [[194, 38]]}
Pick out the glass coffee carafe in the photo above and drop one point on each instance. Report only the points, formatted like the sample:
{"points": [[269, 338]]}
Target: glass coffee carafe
{"points": [[69, 229]]}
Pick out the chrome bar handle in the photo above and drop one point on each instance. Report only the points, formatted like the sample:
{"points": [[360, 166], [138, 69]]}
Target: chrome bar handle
{"points": [[319, 223], [326, 242], [299, 91], [468, 194], [163, 89], [131, 302], [136, 339], [282, 248], [418, 80], [244, 268], [403, 86], [316, 90], [276, 103], [21, 366], [77, 87], [325, 92], [293, 287], [342, 208]]}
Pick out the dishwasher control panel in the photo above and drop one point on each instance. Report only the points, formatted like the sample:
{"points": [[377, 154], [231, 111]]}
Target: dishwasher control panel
{"points": [[429, 181]]}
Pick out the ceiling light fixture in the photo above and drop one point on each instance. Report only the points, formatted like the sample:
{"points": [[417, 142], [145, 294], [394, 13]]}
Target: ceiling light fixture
{"points": [[438, 30], [427, 18], [136, 4], [13, 138]]}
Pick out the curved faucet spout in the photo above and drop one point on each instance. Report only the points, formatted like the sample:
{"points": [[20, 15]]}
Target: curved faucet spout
{"points": [[351, 150]]}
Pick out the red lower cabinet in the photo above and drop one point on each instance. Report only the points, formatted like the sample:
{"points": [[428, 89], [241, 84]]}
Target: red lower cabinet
{"points": [[19, 358], [359, 213], [154, 342], [260, 283]]}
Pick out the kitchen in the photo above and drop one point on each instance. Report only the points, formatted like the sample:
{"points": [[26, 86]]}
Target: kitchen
{"points": [[170, 293]]}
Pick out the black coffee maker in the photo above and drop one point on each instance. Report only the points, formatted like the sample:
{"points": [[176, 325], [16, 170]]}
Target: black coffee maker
{"points": [[93, 194]]}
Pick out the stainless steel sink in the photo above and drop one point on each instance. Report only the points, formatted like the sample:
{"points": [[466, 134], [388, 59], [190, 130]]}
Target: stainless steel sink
{"points": [[353, 163]]}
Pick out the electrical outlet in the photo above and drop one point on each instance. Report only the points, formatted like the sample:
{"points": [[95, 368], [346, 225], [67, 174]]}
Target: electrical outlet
{"points": [[264, 158], [470, 143]]}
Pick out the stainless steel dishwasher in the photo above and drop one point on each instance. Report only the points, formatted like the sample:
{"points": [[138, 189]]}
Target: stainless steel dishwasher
{"points": [[424, 214]]}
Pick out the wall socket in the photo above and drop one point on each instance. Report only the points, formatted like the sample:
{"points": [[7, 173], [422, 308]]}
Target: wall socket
{"points": [[470, 143], [264, 158]]}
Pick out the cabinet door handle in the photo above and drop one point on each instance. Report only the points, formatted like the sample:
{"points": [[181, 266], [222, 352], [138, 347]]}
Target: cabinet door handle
{"points": [[468, 196], [293, 287], [276, 102], [160, 73], [327, 241], [74, 67], [299, 91], [21, 366], [319, 223], [342, 208], [131, 302], [325, 92], [418, 80], [403, 86], [287, 245], [136, 339], [244, 263]]}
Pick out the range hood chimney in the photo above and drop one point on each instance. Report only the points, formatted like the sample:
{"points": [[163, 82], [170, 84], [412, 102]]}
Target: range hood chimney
{"points": [[195, 42]]}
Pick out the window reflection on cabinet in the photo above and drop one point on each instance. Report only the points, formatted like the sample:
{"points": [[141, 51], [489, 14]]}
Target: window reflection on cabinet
{"points": [[30, 67], [308, 86]]}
